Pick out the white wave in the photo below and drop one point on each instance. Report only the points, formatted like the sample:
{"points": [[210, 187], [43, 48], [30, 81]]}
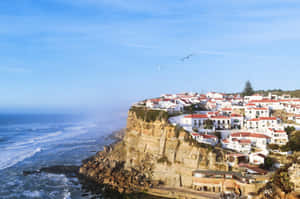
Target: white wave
{"points": [[12, 157], [32, 194], [47, 136], [36, 140], [67, 195], [22, 150]]}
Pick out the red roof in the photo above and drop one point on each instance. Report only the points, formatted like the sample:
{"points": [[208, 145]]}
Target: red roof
{"points": [[245, 141], [226, 109], [235, 115], [279, 131], [220, 117], [156, 100], [218, 98], [263, 118], [254, 120], [258, 108], [225, 141], [196, 116], [195, 134], [248, 134], [268, 118], [208, 136], [263, 101]]}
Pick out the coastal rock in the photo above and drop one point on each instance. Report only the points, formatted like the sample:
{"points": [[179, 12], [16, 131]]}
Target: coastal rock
{"points": [[151, 153]]}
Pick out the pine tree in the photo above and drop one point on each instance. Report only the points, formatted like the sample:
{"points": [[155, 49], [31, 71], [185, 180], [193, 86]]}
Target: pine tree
{"points": [[248, 90]]}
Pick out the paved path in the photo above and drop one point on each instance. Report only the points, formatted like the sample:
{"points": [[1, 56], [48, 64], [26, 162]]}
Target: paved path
{"points": [[196, 194]]}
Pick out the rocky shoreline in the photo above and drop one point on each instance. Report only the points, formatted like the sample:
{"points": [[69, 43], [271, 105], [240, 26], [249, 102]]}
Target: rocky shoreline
{"points": [[104, 170], [103, 177]]}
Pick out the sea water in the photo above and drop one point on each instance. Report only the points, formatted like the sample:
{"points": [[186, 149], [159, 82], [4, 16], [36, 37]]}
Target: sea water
{"points": [[30, 142]]}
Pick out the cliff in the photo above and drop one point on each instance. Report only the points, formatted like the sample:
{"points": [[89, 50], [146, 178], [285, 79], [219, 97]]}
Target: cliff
{"points": [[152, 153], [284, 184]]}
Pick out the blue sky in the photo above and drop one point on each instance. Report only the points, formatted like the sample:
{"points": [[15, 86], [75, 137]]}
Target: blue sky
{"points": [[89, 54]]}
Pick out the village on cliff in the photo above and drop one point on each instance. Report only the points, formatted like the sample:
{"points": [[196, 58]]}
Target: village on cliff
{"points": [[252, 127]]}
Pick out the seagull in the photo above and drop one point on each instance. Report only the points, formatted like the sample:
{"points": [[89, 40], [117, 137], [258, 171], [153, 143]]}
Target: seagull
{"points": [[187, 57]]}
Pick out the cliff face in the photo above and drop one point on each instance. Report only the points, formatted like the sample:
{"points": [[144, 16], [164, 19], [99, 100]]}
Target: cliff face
{"points": [[168, 151], [152, 152]]}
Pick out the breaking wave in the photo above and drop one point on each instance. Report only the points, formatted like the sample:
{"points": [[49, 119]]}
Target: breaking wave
{"points": [[10, 158]]}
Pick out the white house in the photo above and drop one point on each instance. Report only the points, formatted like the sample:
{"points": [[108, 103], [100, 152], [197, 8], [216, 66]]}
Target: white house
{"points": [[257, 158], [237, 121], [263, 123], [221, 122], [195, 120], [205, 138], [243, 146], [153, 103], [257, 140], [255, 112], [268, 103], [226, 111], [214, 95], [297, 119], [278, 137], [253, 97]]}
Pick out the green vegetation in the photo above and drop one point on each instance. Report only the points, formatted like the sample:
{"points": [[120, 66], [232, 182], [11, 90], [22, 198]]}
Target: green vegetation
{"points": [[294, 142], [149, 115], [295, 93], [289, 129], [273, 146], [281, 179], [164, 159], [248, 90], [268, 164]]}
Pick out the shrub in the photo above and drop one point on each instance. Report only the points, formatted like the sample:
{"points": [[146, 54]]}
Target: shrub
{"points": [[273, 146], [289, 129], [281, 178], [150, 115]]}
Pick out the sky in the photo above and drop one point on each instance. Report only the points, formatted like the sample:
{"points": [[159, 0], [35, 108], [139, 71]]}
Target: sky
{"points": [[60, 55]]}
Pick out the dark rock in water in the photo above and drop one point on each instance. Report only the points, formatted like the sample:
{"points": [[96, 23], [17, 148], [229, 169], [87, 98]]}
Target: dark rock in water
{"points": [[90, 186], [69, 171]]}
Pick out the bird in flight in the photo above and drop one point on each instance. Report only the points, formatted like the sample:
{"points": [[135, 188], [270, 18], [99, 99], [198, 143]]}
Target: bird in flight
{"points": [[187, 57]]}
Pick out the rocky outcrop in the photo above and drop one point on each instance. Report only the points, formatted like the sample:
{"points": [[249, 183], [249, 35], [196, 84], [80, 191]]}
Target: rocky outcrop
{"points": [[151, 153], [284, 184]]}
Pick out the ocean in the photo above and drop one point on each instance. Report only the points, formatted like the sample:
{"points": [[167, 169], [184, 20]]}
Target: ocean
{"points": [[29, 142]]}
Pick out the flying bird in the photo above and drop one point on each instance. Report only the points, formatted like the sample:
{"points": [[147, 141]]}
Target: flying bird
{"points": [[187, 57]]}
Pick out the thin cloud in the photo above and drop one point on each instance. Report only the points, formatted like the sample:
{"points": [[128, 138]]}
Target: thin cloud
{"points": [[136, 45], [11, 69]]}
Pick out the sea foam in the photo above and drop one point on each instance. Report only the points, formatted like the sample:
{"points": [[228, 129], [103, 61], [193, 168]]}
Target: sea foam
{"points": [[11, 158]]}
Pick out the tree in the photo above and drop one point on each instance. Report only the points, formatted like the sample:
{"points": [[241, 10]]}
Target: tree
{"points": [[268, 164], [289, 129], [248, 90], [293, 143]]}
